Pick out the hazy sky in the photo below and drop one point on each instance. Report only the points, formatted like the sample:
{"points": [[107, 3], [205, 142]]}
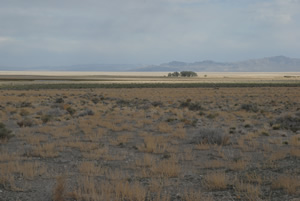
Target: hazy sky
{"points": [[66, 32]]}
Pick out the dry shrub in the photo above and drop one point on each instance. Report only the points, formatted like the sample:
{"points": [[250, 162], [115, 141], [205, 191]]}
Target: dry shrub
{"points": [[95, 153], [90, 189], [202, 146], [237, 165], [166, 168], [214, 164], [290, 122], [146, 161], [90, 169], [247, 191], [253, 178], [215, 181], [28, 170], [250, 107], [59, 189], [179, 132], [193, 195], [279, 155], [211, 136], [154, 144], [4, 132], [295, 152], [44, 150], [287, 183], [295, 140], [164, 127]]}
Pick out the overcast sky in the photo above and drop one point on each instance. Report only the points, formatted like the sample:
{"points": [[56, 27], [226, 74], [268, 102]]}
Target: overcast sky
{"points": [[66, 32]]}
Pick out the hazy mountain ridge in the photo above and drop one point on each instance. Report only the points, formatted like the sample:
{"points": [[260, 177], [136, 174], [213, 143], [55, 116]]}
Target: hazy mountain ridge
{"points": [[267, 64]]}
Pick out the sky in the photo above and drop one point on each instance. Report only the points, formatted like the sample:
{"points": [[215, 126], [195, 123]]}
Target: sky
{"points": [[69, 32]]}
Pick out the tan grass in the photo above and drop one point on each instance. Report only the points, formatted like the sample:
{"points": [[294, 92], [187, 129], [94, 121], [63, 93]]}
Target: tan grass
{"points": [[295, 152], [238, 165], [202, 146], [47, 150], [295, 140], [247, 191], [287, 183], [215, 181], [214, 164], [28, 170], [195, 195], [154, 144], [90, 169], [166, 168], [59, 189], [95, 154], [164, 127]]}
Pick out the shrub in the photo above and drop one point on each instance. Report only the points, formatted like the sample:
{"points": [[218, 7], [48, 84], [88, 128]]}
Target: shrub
{"points": [[212, 115], [45, 118], [250, 107], [191, 106], [25, 104], [71, 110], [157, 104], [4, 132], [95, 100], [211, 136], [195, 106], [25, 123], [59, 189], [24, 112], [86, 112], [289, 122], [59, 100]]}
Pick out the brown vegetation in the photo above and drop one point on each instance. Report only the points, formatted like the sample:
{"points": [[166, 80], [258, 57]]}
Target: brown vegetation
{"points": [[150, 144]]}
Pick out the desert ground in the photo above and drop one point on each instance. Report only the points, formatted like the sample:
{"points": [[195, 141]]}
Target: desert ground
{"points": [[38, 77], [144, 144]]}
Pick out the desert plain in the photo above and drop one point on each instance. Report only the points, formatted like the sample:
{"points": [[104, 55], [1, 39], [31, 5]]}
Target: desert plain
{"points": [[144, 144]]}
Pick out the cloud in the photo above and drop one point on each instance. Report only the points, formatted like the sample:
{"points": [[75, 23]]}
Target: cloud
{"points": [[134, 31]]}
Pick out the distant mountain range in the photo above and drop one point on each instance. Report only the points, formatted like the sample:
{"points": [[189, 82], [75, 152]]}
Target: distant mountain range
{"points": [[267, 64]]}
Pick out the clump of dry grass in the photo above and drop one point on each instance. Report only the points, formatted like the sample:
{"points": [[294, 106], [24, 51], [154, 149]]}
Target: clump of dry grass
{"points": [[214, 164], [287, 183], [195, 195], [154, 144], [246, 191], [59, 189], [211, 136], [215, 181], [47, 150], [237, 165], [167, 168]]}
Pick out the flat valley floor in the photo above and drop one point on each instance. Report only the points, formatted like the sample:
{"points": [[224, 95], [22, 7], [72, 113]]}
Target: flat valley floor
{"points": [[143, 144]]}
